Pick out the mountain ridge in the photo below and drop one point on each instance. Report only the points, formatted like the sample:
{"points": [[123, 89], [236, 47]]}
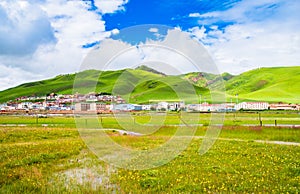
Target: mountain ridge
{"points": [[275, 84]]}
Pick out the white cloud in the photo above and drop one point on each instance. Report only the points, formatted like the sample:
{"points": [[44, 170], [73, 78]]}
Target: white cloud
{"points": [[263, 33], [198, 32], [177, 53], [75, 26], [260, 47], [108, 50], [23, 28], [40, 39], [110, 6], [154, 30], [115, 31], [194, 15], [11, 76], [243, 11]]}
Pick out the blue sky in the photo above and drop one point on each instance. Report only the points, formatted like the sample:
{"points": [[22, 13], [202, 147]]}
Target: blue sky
{"points": [[165, 12], [43, 38]]}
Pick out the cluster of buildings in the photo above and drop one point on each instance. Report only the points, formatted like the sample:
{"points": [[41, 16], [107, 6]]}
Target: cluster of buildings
{"points": [[54, 102], [123, 107], [230, 107], [106, 103], [181, 106]]}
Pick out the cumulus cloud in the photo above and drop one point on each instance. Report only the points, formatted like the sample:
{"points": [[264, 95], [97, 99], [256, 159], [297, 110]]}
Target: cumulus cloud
{"points": [[11, 76], [198, 32], [154, 30], [40, 39], [24, 27], [176, 54], [75, 27], [115, 31], [110, 6], [261, 47], [194, 15], [263, 33]]}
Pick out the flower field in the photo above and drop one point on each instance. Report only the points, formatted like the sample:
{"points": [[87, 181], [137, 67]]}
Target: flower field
{"points": [[54, 159], [228, 167]]}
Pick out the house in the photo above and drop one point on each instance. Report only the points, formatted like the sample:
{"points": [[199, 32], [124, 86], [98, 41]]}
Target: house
{"points": [[146, 107], [162, 106], [205, 107], [24, 106], [123, 107], [91, 97], [227, 107], [175, 106], [138, 107], [281, 106], [85, 107], [119, 100], [252, 106], [101, 107], [192, 107]]}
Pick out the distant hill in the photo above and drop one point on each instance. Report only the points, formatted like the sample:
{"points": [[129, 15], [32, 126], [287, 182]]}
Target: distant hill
{"points": [[273, 84], [145, 68], [206, 79], [144, 84], [138, 86]]}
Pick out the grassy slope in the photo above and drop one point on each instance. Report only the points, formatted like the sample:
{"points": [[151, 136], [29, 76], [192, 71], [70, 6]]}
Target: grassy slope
{"points": [[140, 86], [268, 84], [57, 84], [168, 88]]}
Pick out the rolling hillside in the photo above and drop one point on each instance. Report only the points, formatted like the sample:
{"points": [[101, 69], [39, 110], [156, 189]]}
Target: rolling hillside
{"points": [[135, 85], [144, 84], [267, 84]]}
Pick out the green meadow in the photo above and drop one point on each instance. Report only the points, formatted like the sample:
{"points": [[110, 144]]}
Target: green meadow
{"points": [[143, 85], [266, 84], [48, 155], [110, 121]]}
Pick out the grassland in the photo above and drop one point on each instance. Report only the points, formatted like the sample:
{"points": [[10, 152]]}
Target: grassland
{"points": [[54, 159], [143, 85], [267, 84], [136, 86], [228, 167], [108, 121]]}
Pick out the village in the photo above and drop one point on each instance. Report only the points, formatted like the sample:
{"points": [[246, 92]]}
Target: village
{"points": [[107, 103]]}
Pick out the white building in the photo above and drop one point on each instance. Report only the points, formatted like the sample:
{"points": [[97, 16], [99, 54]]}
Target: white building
{"points": [[162, 106], [252, 106], [24, 105], [192, 107], [146, 107], [85, 107], [284, 107], [205, 107]]}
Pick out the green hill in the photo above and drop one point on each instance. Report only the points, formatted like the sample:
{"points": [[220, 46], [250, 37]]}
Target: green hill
{"points": [[267, 84], [135, 85], [145, 68], [141, 85], [144, 84]]}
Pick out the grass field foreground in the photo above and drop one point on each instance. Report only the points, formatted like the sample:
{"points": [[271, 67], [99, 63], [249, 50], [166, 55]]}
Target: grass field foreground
{"points": [[44, 159]]}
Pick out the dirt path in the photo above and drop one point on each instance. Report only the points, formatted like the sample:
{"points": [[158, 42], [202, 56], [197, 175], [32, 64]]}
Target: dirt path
{"points": [[122, 132], [38, 142], [256, 141]]}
